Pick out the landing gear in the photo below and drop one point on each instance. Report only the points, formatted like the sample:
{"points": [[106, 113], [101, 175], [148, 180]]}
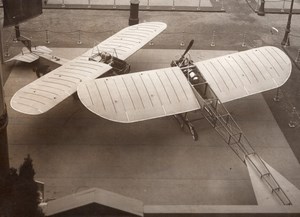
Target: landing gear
{"points": [[187, 67], [183, 120]]}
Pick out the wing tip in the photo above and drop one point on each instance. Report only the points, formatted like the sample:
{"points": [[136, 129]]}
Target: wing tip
{"points": [[16, 106], [288, 66], [21, 107], [286, 58]]}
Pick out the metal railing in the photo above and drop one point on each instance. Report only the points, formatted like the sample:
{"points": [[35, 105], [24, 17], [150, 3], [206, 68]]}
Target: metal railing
{"points": [[282, 5], [146, 4]]}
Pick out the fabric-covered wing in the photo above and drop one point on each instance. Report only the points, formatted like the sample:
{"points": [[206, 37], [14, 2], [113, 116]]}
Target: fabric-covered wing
{"points": [[245, 73], [46, 92], [139, 96], [129, 40], [28, 57], [52, 88]]}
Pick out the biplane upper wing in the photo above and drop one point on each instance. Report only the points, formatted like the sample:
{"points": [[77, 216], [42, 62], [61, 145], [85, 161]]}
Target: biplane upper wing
{"points": [[246, 73], [49, 90], [157, 93], [139, 96]]}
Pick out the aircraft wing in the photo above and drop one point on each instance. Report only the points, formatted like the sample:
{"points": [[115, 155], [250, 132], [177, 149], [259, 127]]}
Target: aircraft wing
{"points": [[129, 40], [246, 73], [52, 88], [49, 90], [139, 96], [158, 93]]}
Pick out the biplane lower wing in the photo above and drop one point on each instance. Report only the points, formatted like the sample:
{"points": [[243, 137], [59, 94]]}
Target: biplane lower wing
{"points": [[246, 73], [157, 93], [49, 90], [139, 96]]}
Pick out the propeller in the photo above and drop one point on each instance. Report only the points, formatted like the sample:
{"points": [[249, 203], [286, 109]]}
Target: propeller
{"points": [[187, 49]]}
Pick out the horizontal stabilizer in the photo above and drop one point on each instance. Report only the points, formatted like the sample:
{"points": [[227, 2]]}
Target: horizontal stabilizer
{"points": [[28, 57]]}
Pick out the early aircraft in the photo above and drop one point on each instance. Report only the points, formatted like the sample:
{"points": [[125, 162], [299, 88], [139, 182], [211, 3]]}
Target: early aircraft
{"points": [[131, 97]]}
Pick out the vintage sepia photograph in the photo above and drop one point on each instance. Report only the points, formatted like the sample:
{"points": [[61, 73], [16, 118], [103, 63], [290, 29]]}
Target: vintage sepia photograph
{"points": [[150, 108]]}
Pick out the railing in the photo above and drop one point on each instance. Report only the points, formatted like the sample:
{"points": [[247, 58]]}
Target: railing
{"points": [[146, 4], [282, 5]]}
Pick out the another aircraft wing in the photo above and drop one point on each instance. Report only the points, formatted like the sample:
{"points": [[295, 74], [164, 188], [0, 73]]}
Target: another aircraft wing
{"points": [[139, 96], [129, 40], [246, 73], [49, 90]]}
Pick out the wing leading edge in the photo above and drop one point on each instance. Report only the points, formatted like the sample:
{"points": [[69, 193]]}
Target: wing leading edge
{"points": [[51, 89], [139, 96]]}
